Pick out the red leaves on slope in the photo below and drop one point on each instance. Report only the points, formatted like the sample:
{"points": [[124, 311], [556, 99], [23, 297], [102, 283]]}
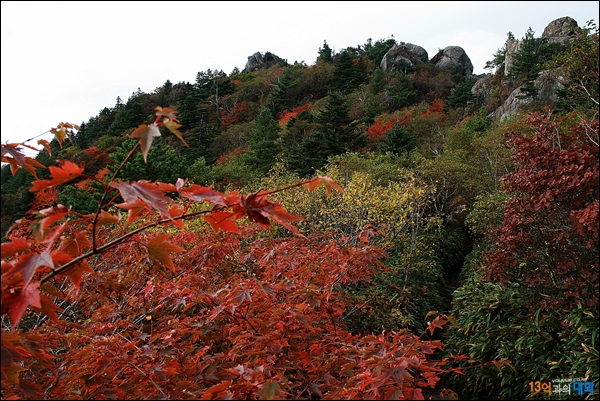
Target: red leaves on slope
{"points": [[551, 223]]}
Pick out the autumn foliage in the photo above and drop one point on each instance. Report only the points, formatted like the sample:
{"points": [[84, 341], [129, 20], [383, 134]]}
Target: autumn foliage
{"points": [[285, 116], [128, 303], [552, 215]]}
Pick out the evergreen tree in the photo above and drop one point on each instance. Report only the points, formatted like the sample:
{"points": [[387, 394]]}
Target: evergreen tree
{"points": [[398, 140], [263, 142], [279, 100], [375, 52], [526, 66], [500, 56], [325, 53], [335, 135], [350, 71], [400, 91], [461, 94], [166, 165]]}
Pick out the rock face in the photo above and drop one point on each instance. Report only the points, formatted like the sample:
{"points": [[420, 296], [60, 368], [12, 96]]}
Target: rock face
{"points": [[560, 30], [412, 54], [481, 91], [258, 61], [546, 84], [453, 59], [512, 48]]}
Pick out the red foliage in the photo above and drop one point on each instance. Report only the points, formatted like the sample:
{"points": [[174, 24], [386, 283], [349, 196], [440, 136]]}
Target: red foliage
{"points": [[380, 128], [436, 107], [233, 115], [43, 199], [285, 116], [237, 317], [235, 152], [549, 237]]}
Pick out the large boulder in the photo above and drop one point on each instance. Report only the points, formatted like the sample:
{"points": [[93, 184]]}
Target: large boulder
{"points": [[407, 52], [453, 59], [560, 28], [257, 61]]}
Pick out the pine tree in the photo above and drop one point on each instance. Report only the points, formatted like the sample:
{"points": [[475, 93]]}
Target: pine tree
{"points": [[526, 64], [278, 98], [263, 142], [325, 53]]}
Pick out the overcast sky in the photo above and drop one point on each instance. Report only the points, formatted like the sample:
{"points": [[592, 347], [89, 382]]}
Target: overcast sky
{"points": [[65, 61]]}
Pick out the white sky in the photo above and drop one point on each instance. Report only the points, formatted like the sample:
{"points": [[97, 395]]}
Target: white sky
{"points": [[65, 61]]}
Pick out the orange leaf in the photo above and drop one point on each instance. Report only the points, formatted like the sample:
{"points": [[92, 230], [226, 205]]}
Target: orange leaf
{"points": [[221, 220], [49, 309], [51, 215], [167, 112], [146, 134], [282, 216], [105, 218], [19, 159], [159, 250], [60, 175], [61, 131], [133, 209], [212, 393], [174, 128], [320, 180], [27, 265], [199, 193], [46, 145]]}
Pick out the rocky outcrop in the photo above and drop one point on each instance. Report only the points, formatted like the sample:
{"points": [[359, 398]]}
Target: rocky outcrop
{"points": [[407, 52], [546, 84], [561, 31], [453, 59], [481, 91], [258, 61], [512, 48]]}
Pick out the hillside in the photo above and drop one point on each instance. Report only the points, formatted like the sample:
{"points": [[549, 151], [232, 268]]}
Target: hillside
{"points": [[458, 202]]}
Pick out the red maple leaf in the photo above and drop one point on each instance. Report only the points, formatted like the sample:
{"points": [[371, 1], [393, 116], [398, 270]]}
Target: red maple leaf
{"points": [[60, 175], [153, 194], [159, 250], [25, 296], [199, 193]]}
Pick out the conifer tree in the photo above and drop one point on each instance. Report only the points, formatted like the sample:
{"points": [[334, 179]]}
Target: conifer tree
{"points": [[325, 53], [526, 64], [263, 142]]}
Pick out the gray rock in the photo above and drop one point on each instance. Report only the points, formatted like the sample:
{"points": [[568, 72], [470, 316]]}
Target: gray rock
{"points": [[546, 84], [408, 52], [512, 48], [453, 59], [257, 61], [565, 26], [481, 91]]}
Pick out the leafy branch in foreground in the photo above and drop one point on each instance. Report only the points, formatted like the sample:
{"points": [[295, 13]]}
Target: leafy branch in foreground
{"points": [[233, 319]]}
